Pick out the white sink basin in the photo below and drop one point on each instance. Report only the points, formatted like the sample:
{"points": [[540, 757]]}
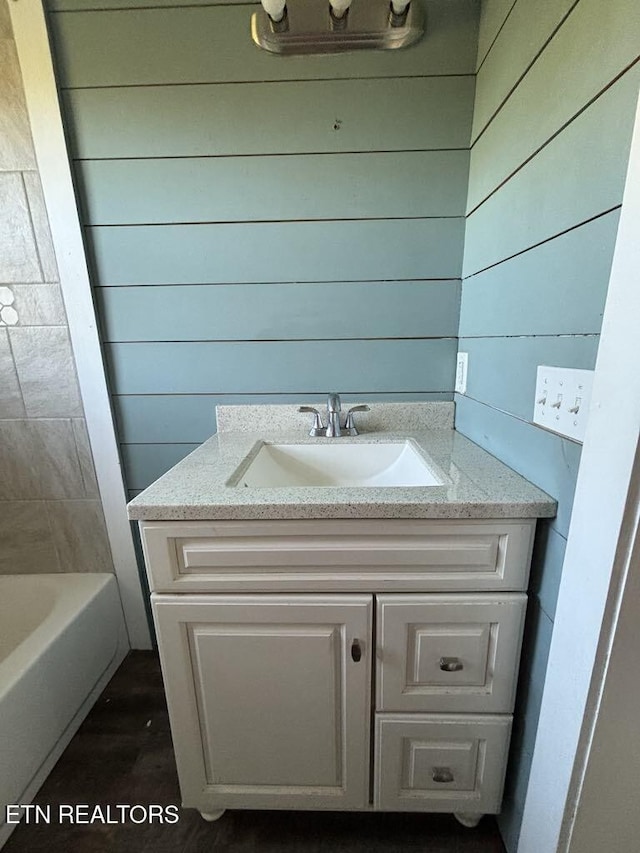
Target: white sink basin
{"points": [[340, 464]]}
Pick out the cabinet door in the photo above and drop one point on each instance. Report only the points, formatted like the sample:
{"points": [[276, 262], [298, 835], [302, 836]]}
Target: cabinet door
{"points": [[269, 698], [448, 653]]}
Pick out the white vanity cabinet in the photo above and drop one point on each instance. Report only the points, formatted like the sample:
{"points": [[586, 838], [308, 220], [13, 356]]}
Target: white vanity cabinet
{"points": [[340, 664], [268, 707]]}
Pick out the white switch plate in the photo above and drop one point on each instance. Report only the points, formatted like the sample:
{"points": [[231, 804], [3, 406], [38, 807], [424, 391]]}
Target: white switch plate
{"points": [[560, 391], [462, 363]]}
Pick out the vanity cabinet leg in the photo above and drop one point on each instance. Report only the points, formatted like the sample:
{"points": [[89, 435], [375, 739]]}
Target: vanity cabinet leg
{"points": [[468, 819], [211, 816]]}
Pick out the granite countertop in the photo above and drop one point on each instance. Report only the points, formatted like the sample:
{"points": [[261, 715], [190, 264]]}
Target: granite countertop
{"points": [[476, 484]]}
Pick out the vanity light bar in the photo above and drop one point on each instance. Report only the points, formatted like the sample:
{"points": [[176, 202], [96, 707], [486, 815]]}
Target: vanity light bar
{"points": [[276, 12], [333, 26], [274, 9], [339, 8], [399, 12]]}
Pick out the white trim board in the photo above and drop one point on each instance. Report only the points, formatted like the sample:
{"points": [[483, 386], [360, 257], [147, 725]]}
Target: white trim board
{"points": [[34, 54], [595, 560]]}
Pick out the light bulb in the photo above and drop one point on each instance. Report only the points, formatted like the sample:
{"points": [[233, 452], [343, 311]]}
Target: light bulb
{"points": [[399, 6], [339, 7], [274, 9]]}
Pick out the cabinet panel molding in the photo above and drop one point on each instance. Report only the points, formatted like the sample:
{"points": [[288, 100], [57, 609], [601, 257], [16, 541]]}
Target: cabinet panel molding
{"points": [[440, 763], [268, 707], [373, 555], [455, 653]]}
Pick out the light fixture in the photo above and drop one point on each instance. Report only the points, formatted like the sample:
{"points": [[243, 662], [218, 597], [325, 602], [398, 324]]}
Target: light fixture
{"points": [[399, 12], [339, 10], [332, 26], [277, 14]]}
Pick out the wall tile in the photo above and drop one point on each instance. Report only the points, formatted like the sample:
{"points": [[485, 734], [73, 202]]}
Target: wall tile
{"points": [[39, 459], [26, 543], [16, 147], [18, 253], [80, 536], [44, 458], [11, 405], [46, 370], [86, 457], [39, 305], [8, 313], [41, 226]]}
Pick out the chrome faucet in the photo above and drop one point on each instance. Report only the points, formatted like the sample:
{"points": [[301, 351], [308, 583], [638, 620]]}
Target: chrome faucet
{"points": [[334, 428], [333, 416]]}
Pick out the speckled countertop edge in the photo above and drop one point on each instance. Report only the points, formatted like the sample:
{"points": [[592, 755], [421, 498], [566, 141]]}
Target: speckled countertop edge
{"points": [[479, 485]]}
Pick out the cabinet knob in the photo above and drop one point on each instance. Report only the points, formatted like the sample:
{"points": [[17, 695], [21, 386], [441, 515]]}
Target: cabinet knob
{"points": [[451, 664], [442, 774], [356, 650]]}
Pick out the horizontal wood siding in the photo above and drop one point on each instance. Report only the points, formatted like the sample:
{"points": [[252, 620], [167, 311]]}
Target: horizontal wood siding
{"points": [[515, 361], [514, 298], [554, 191], [317, 311], [555, 99], [563, 82], [144, 463], [189, 419], [260, 227], [84, 5], [492, 18], [276, 188], [513, 52], [547, 460], [188, 43], [299, 117], [282, 366], [356, 250]]}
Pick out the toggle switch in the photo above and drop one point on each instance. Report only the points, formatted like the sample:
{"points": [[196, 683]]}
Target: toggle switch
{"points": [[562, 397], [557, 403]]}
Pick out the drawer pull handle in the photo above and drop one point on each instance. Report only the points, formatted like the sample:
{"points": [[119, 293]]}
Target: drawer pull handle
{"points": [[356, 650], [442, 774], [451, 664]]}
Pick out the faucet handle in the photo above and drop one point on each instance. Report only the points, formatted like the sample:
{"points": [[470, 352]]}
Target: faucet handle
{"points": [[349, 424], [318, 427]]}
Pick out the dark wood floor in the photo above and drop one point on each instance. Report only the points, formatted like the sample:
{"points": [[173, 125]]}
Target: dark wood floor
{"points": [[122, 754]]}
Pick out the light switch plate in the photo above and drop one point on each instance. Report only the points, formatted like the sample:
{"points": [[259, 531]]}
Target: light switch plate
{"points": [[563, 395], [462, 364]]}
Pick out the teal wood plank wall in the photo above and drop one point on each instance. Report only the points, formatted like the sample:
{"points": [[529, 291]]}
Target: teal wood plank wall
{"points": [[263, 228], [556, 89]]}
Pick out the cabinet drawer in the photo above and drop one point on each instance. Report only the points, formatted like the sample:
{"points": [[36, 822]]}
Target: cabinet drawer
{"points": [[448, 652], [440, 763], [337, 556]]}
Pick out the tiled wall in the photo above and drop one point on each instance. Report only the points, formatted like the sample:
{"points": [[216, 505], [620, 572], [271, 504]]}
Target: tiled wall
{"points": [[50, 514], [264, 228], [556, 91]]}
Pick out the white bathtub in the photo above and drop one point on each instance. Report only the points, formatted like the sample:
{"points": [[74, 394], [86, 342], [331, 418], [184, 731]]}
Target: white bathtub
{"points": [[62, 636]]}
